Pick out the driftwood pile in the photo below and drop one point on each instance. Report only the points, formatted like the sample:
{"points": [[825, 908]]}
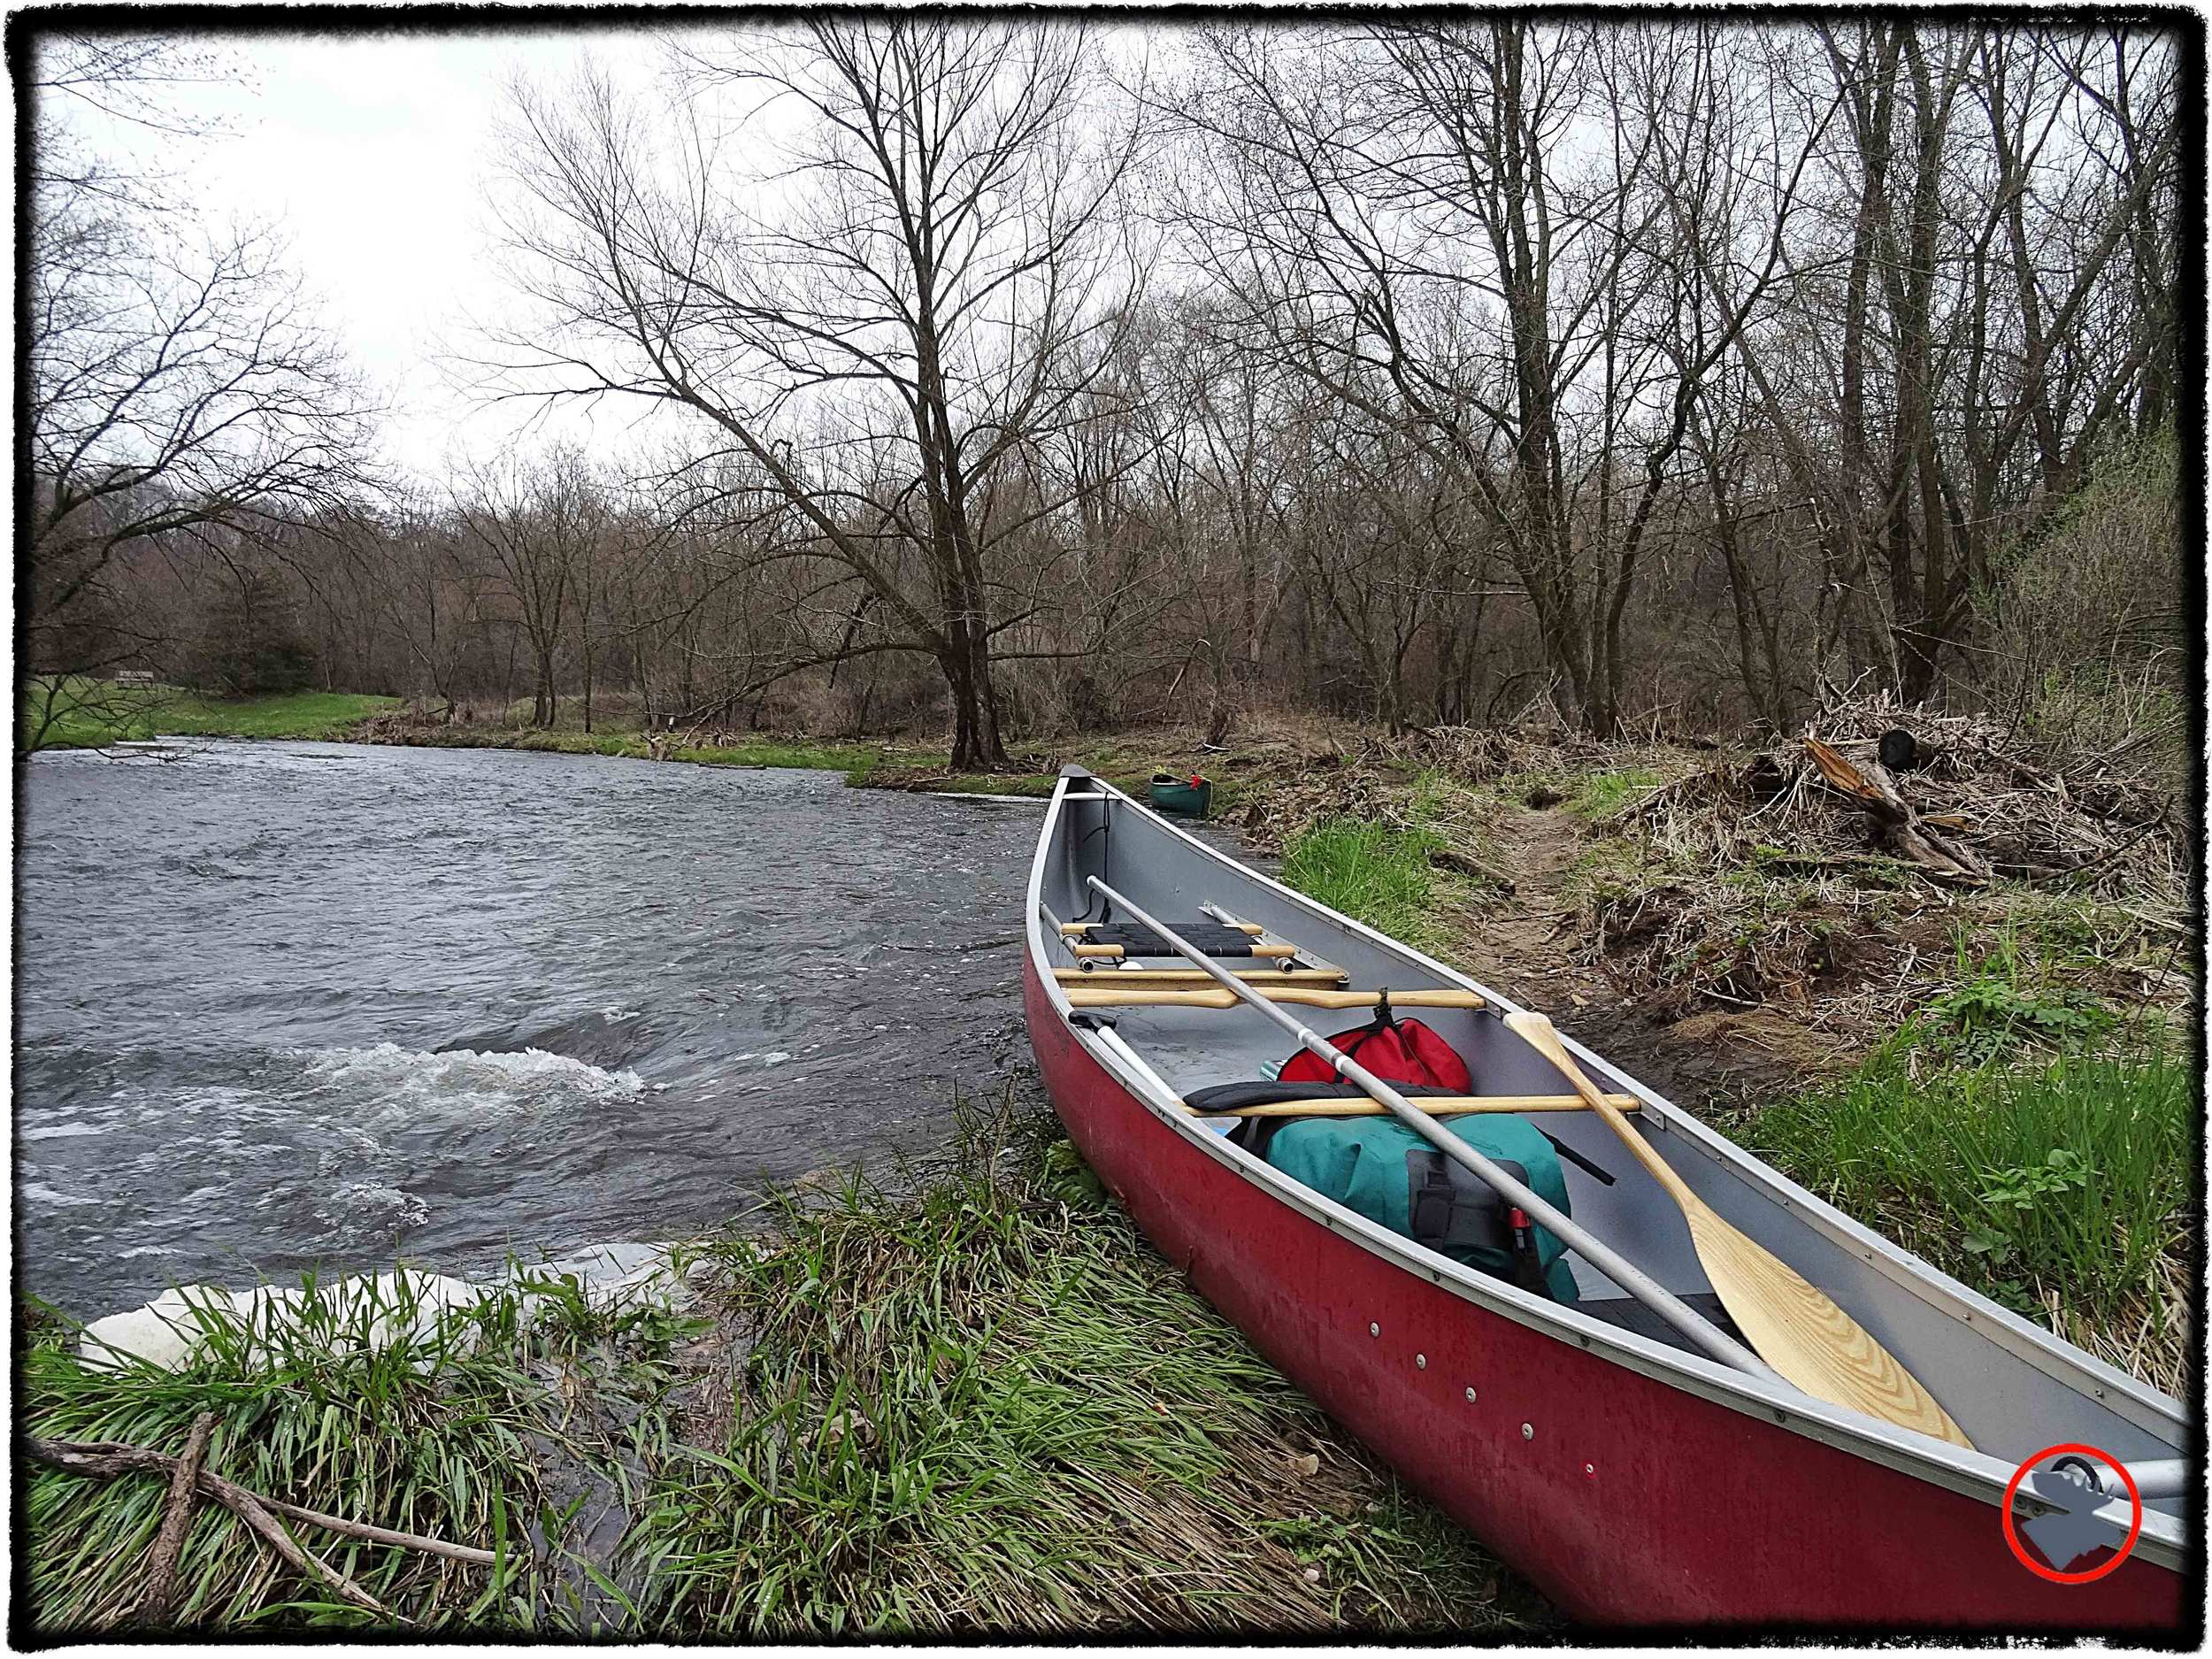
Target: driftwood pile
{"points": [[1972, 804]]}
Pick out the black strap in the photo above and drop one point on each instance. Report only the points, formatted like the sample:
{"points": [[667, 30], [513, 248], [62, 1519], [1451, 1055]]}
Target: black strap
{"points": [[1574, 1157]]}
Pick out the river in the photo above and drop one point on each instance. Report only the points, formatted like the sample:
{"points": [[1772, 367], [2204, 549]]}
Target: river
{"points": [[282, 1004]]}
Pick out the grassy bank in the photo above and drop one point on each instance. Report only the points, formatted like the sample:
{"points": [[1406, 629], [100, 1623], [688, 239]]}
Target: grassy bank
{"points": [[978, 1402], [2055, 1179], [1125, 759], [856, 761], [94, 714]]}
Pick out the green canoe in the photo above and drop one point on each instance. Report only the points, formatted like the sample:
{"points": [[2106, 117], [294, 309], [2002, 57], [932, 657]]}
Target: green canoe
{"points": [[1181, 795]]}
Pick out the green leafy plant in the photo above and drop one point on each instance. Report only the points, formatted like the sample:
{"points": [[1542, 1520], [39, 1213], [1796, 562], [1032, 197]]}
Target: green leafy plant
{"points": [[2025, 1187]]}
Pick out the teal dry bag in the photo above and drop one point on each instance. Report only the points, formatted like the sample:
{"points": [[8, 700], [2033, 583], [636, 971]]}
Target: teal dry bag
{"points": [[1378, 1168]]}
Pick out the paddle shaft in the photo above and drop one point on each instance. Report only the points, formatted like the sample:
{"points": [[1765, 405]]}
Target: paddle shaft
{"points": [[1600, 1256]]}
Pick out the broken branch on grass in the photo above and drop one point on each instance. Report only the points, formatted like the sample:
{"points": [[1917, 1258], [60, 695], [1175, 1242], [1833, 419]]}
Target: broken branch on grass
{"points": [[1873, 788], [1467, 864], [105, 1460], [176, 1521]]}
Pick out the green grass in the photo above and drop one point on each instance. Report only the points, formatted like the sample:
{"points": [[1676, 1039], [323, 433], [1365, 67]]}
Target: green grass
{"points": [[989, 1406], [855, 760], [1600, 795], [1381, 876], [90, 715], [2052, 1178]]}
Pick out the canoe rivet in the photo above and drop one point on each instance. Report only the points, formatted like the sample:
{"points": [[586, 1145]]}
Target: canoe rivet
{"points": [[1374, 1330], [1470, 1396], [1421, 1361], [1528, 1431], [1590, 1470]]}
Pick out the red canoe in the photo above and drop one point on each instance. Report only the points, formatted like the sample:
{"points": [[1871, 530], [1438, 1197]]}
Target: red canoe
{"points": [[1633, 1480]]}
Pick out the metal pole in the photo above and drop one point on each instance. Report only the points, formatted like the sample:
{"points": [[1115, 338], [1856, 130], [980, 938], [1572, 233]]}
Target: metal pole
{"points": [[1629, 1276], [2157, 1477]]}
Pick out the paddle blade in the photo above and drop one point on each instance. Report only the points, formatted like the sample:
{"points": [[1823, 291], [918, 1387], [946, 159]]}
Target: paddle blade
{"points": [[1801, 1333]]}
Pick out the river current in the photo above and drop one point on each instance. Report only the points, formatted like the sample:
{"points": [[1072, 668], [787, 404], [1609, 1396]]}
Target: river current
{"points": [[282, 1004]]}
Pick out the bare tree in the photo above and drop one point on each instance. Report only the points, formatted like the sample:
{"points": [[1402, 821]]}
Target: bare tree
{"points": [[175, 389], [881, 325]]}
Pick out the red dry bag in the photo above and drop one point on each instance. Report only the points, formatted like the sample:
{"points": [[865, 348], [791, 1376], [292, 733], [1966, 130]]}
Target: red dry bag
{"points": [[1395, 1050]]}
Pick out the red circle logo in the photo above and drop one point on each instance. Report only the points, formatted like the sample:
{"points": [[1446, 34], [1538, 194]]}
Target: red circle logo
{"points": [[2088, 1575]]}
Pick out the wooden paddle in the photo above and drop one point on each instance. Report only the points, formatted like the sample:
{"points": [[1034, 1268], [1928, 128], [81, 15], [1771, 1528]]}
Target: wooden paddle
{"points": [[1107, 995], [1790, 1325]]}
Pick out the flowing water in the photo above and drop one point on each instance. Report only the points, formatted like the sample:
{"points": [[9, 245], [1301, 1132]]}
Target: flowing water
{"points": [[290, 1003]]}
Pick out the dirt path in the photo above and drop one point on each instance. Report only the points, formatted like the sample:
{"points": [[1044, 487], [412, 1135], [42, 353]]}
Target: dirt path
{"points": [[1530, 944]]}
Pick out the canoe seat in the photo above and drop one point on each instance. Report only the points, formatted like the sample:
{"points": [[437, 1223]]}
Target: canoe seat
{"points": [[1631, 1315], [1213, 939]]}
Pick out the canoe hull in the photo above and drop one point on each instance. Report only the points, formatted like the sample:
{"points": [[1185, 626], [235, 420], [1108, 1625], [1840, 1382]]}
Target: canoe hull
{"points": [[1627, 1502]]}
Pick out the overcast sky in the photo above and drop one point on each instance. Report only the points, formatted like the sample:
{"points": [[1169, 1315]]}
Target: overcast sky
{"points": [[371, 153]]}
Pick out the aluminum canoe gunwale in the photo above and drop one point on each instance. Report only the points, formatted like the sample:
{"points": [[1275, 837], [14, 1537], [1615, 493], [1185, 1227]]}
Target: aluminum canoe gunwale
{"points": [[1975, 1474]]}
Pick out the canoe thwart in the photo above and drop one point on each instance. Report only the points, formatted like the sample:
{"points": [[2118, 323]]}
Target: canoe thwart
{"points": [[1094, 993], [1115, 953], [1167, 978], [1435, 1105], [1253, 928]]}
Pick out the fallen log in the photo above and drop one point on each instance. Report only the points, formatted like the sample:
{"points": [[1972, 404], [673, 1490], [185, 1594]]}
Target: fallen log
{"points": [[1900, 827]]}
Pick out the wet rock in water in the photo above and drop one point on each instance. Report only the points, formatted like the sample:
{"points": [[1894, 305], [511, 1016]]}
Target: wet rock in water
{"points": [[170, 1331], [370, 1311]]}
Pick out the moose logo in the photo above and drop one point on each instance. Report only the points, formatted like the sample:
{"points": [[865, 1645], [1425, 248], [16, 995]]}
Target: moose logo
{"points": [[2068, 1515]]}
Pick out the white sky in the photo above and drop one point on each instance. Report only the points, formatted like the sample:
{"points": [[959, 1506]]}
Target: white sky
{"points": [[371, 154]]}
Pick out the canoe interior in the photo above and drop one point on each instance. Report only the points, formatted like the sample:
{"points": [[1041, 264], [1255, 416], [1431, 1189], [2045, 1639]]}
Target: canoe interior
{"points": [[2009, 1405]]}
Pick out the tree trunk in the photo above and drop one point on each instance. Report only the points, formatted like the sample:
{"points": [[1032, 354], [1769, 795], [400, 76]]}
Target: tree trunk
{"points": [[543, 703]]}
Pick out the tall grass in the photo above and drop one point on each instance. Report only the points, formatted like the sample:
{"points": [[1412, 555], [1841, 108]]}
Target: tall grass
{"points": [[1381, 876], [2056, 1180], [989, 1406], [370, 1405]]}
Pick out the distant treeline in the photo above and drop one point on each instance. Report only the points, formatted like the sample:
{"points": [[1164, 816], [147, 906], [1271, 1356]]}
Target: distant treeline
{"points": [[1639, 370]]}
